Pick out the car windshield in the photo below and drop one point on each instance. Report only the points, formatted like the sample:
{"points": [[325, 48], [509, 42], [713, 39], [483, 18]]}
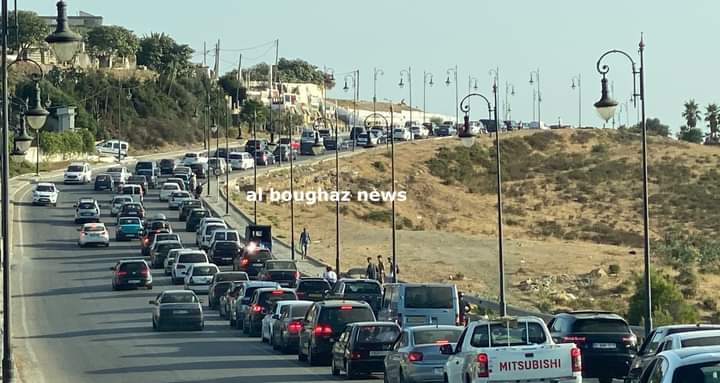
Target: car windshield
{"points": [[45, 188], [211, 228], [86, 205], [179, 298], [434, 336], [377, 334], [133, 266], [260, 255], [226, 245], [362, 288], [122, 200], [516, 334], [204, 270], [235, 156], [700, 342], [313, 286], [192, 258], [429, 297], [132, 207], [137, 179], [281, 265], [170, 186], [268, 297], [191, 155], [598, 325], [129, 221], [94, 229], [143, 165], [697, 373], [130, 189], [198, 215], [180, 195], [339, 317], [75, 168], [115, 170], [165, 247], [230, 276], [299, 310]]}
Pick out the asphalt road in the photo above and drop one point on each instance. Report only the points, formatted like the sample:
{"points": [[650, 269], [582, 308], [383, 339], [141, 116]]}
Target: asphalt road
{"points": [[69, 326]]}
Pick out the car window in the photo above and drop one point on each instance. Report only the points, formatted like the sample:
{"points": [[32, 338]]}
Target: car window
{"points": [[132, 266], [164, 248], [45, 188], [525, 333], [179, 298], [299, 310], [230, 276], [377, 334], [430, 297], [284, 311], [192, 258], [338, 317], [250, 290], [170, 186], [266, 299], [696, 373], [656, 376], [362, 288], [313, 286], [600, 325], [436, 336], [75, 168], [204, 270], [86, 205], [259, 256], [129, 221], [280, 265], [461, 340]]}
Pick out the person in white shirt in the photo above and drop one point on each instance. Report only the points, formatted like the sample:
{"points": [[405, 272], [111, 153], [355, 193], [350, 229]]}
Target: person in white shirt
{"points": [[329, 275]]}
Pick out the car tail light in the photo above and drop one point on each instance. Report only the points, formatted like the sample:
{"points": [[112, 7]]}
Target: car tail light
{"points": [[442, 341], [576, 359], [294, 326], [483, 370], [346, 307], [415, 356], [630, 340], [322, 330], [277, 292], [355, 355], [121, 273], [256, 308], [244, 262], [144, 272], [572, 339]]}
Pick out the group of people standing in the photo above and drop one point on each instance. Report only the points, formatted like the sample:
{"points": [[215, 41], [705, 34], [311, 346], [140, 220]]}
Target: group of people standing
{"points": [[377, 270]]}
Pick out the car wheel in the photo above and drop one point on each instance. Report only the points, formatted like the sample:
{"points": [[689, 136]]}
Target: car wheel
{"points": [[149, 287], [301, 357], [335, 370]]}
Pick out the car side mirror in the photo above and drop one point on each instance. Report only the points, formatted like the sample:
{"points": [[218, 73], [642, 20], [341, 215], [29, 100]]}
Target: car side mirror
{"points": [[446, 349], [152, 302]]}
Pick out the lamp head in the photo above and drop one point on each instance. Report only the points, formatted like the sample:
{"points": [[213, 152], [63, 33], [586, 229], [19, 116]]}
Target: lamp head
{"points": [[606, 105], [214, 128], [475, 86], [466, 136], [22, 142], [573, 86], [447, 81], [36, 115], [431, 83], [531, 79], [346, 88], [401, 83], [64, 42]]}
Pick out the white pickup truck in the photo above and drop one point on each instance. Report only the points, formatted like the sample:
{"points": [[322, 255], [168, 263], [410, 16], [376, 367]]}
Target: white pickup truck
{"points": [[511, 349]]}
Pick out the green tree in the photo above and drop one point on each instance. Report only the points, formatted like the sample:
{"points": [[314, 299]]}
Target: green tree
{"points": [[250, 108], [161, 53], [691, 114], [110, 41], [693, 135], [668, 304], [300, 71], [711, 117], [33, 31], [653, 126], [229, 82]]}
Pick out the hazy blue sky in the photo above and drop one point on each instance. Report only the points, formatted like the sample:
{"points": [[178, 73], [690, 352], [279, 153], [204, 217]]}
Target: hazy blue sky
{"points": [[561, 37]]}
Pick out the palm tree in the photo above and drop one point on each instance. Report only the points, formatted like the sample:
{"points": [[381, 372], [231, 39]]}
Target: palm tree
{"points": [[691, 113], [711, 116]]}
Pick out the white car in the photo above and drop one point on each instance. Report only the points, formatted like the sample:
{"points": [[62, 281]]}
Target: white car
{"points": [[177, 198], [692, 364], [117, 203], [170, 260], [419, 131], [167, 189], [77, 173], [199, 277], [213, 164], [225, 235], [45, 193], [240, 161], [94, 234], [183, 260], [206, 235], [201, 225], [119, 174], [402, 134], [267, 324], [194, 157], [691, 339]]}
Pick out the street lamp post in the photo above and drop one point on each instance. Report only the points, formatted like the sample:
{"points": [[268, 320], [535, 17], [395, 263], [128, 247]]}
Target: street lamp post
{"points": [[254, 132], [606, 109], [227, 158], [376, 72], [334, 126], [427, 80], [533, 80], [468, 138], [576, 84], [36, 115], [509, 91], [454, 71], [292, 194], [353, 77], [407, 72]]}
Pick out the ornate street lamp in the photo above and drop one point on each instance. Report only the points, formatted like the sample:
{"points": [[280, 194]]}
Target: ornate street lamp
{"points": [[64, 42], [21, 144]]}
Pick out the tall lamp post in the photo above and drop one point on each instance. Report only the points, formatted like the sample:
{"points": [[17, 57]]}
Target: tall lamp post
{"points": [[535, 78], [292, 193], [354, 78], [576, 84], [36, 115], [254, 133], [509, 91], [606, 109], [454, 71], [407, 73], [326, 122], [65, 44], [376, 72], [427, 80]]}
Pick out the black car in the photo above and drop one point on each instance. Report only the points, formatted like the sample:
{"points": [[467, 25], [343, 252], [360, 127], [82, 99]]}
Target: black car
{"points": [[221, 153], [330, 143], [194, 218], [223, 252], [281, 271], [264, 157], [131, 274], [187, 206], [366, 290], [133, 209], [356, 131], [223, 277], [251, 260], [323, 324], [260, 304], [605, 340], [361, 348], [252, 146], [215, 291], [312, 289], [287, 326], [138, 180], [199, 169], [167, 167], [104, 182], [282, 153]]}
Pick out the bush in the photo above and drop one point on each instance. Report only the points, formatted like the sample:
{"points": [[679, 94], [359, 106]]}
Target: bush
{"points": [[379, 166], [599, 149], [614, 268], [668, 304], [379, 216]]}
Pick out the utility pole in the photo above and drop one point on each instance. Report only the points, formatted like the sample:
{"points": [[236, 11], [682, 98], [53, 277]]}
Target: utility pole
{"points": [[205, 54]]}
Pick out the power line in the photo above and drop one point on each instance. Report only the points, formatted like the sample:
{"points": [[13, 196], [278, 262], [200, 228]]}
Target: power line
{"points": [[250, 48]]}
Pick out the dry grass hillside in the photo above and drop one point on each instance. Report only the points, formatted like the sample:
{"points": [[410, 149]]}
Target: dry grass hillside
{"points": [[572, 212]]}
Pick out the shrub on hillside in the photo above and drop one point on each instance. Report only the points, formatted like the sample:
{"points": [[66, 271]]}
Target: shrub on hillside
{"points": [[668, 304]]}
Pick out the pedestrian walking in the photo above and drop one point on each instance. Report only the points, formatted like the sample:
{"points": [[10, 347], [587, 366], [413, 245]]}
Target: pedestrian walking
{"points": [[381, 269], [394, 270], [329, 275], [371, 271], [193, 181], [198, 191], [304, 242]]}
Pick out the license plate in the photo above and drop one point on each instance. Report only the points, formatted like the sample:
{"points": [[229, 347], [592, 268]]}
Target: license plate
{"points": [[85, 214], [257, 264], [284, 284], [134, 281], [437, 371], [604, 346], [314, 295], [378, 353], [227, 259], [416, 320], [181, 312]]}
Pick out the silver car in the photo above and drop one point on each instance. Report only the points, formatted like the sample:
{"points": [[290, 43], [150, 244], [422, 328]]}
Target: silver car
{"points": [[174, 308], [416, 355], [87, 210], [117, 202]]}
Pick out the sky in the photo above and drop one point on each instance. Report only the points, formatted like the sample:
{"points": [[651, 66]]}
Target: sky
{"points": [[561, 38]]}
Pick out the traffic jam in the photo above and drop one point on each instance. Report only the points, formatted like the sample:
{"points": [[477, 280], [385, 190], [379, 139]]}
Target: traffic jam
{"points": [[357, 327]]}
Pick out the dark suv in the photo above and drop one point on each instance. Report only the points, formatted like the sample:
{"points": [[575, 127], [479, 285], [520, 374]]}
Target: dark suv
{"points": [[367, 290], [260, 304], [323, 324], [252, 260], [167, 167], [607, 344], [312, 289], [223, 252]]}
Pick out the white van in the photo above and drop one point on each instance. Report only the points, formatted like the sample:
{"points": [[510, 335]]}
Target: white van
{"points": [[417, 304], [110, 148], [241, 161], [194, 157]]}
